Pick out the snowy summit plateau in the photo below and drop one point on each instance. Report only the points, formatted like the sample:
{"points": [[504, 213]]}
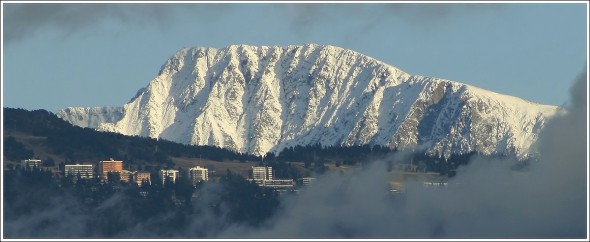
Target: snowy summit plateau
{"points": [[259, 99]]}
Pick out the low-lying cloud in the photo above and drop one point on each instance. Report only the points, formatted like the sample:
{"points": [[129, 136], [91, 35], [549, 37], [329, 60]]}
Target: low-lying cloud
{"points": [[486, 199]]}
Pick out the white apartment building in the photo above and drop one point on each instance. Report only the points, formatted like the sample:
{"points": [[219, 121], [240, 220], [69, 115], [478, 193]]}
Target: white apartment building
{"points": [[172, 174], [30, 163], [306, 181], [280, 183], [262, 173], [198, 173], [262, 176], [84, 171]]}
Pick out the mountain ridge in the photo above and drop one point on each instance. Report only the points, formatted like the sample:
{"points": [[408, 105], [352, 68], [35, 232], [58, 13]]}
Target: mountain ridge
{"points": [[263, 99]]}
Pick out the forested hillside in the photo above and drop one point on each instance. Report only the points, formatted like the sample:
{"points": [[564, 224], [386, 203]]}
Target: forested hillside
{"points": [[41, 134]]}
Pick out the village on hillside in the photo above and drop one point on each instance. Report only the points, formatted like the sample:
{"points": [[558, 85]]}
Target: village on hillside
{"points": [[111, 170]]}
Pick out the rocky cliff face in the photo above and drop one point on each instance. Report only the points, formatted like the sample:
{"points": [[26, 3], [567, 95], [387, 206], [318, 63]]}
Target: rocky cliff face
{"points": [[259, 99]]}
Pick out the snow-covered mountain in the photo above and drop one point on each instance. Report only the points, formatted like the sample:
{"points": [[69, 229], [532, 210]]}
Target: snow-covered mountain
{"points": [[258, 99]]}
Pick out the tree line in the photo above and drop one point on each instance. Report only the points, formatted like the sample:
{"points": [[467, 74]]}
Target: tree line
{"points": [[77, 144], [48, 204]]}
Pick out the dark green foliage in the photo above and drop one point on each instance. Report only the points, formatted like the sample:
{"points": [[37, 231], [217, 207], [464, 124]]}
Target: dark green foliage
{"points": [[35, 186], [443, 166], [247, 202], [114, 210], [319, 154], [48, 162], [114, 178], [183, 187], [79, 144], [14, 150]]}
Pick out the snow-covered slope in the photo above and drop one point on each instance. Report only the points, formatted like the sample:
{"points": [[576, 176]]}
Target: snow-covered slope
{"points": [[258, 99], [91, 117]]}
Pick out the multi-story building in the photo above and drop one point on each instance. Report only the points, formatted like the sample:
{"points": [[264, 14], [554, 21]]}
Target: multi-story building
{"points": [[30, 163], [170, 174], [279, 183], [126, 175], [306, 181], [262, 173], [106, 166], [83, 171], [142, 176], [198, 174]]}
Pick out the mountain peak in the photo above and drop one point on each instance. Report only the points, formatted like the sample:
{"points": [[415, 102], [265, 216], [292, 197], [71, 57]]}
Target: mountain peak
{"points": [[258, 99]]}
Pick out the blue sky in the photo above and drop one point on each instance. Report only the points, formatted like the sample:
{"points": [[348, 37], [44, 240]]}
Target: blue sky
{"points": [[61, 55]]}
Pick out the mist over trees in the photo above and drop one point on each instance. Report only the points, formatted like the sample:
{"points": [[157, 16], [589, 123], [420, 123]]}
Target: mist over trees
{"points": [[38, 205], [486, 197]]}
